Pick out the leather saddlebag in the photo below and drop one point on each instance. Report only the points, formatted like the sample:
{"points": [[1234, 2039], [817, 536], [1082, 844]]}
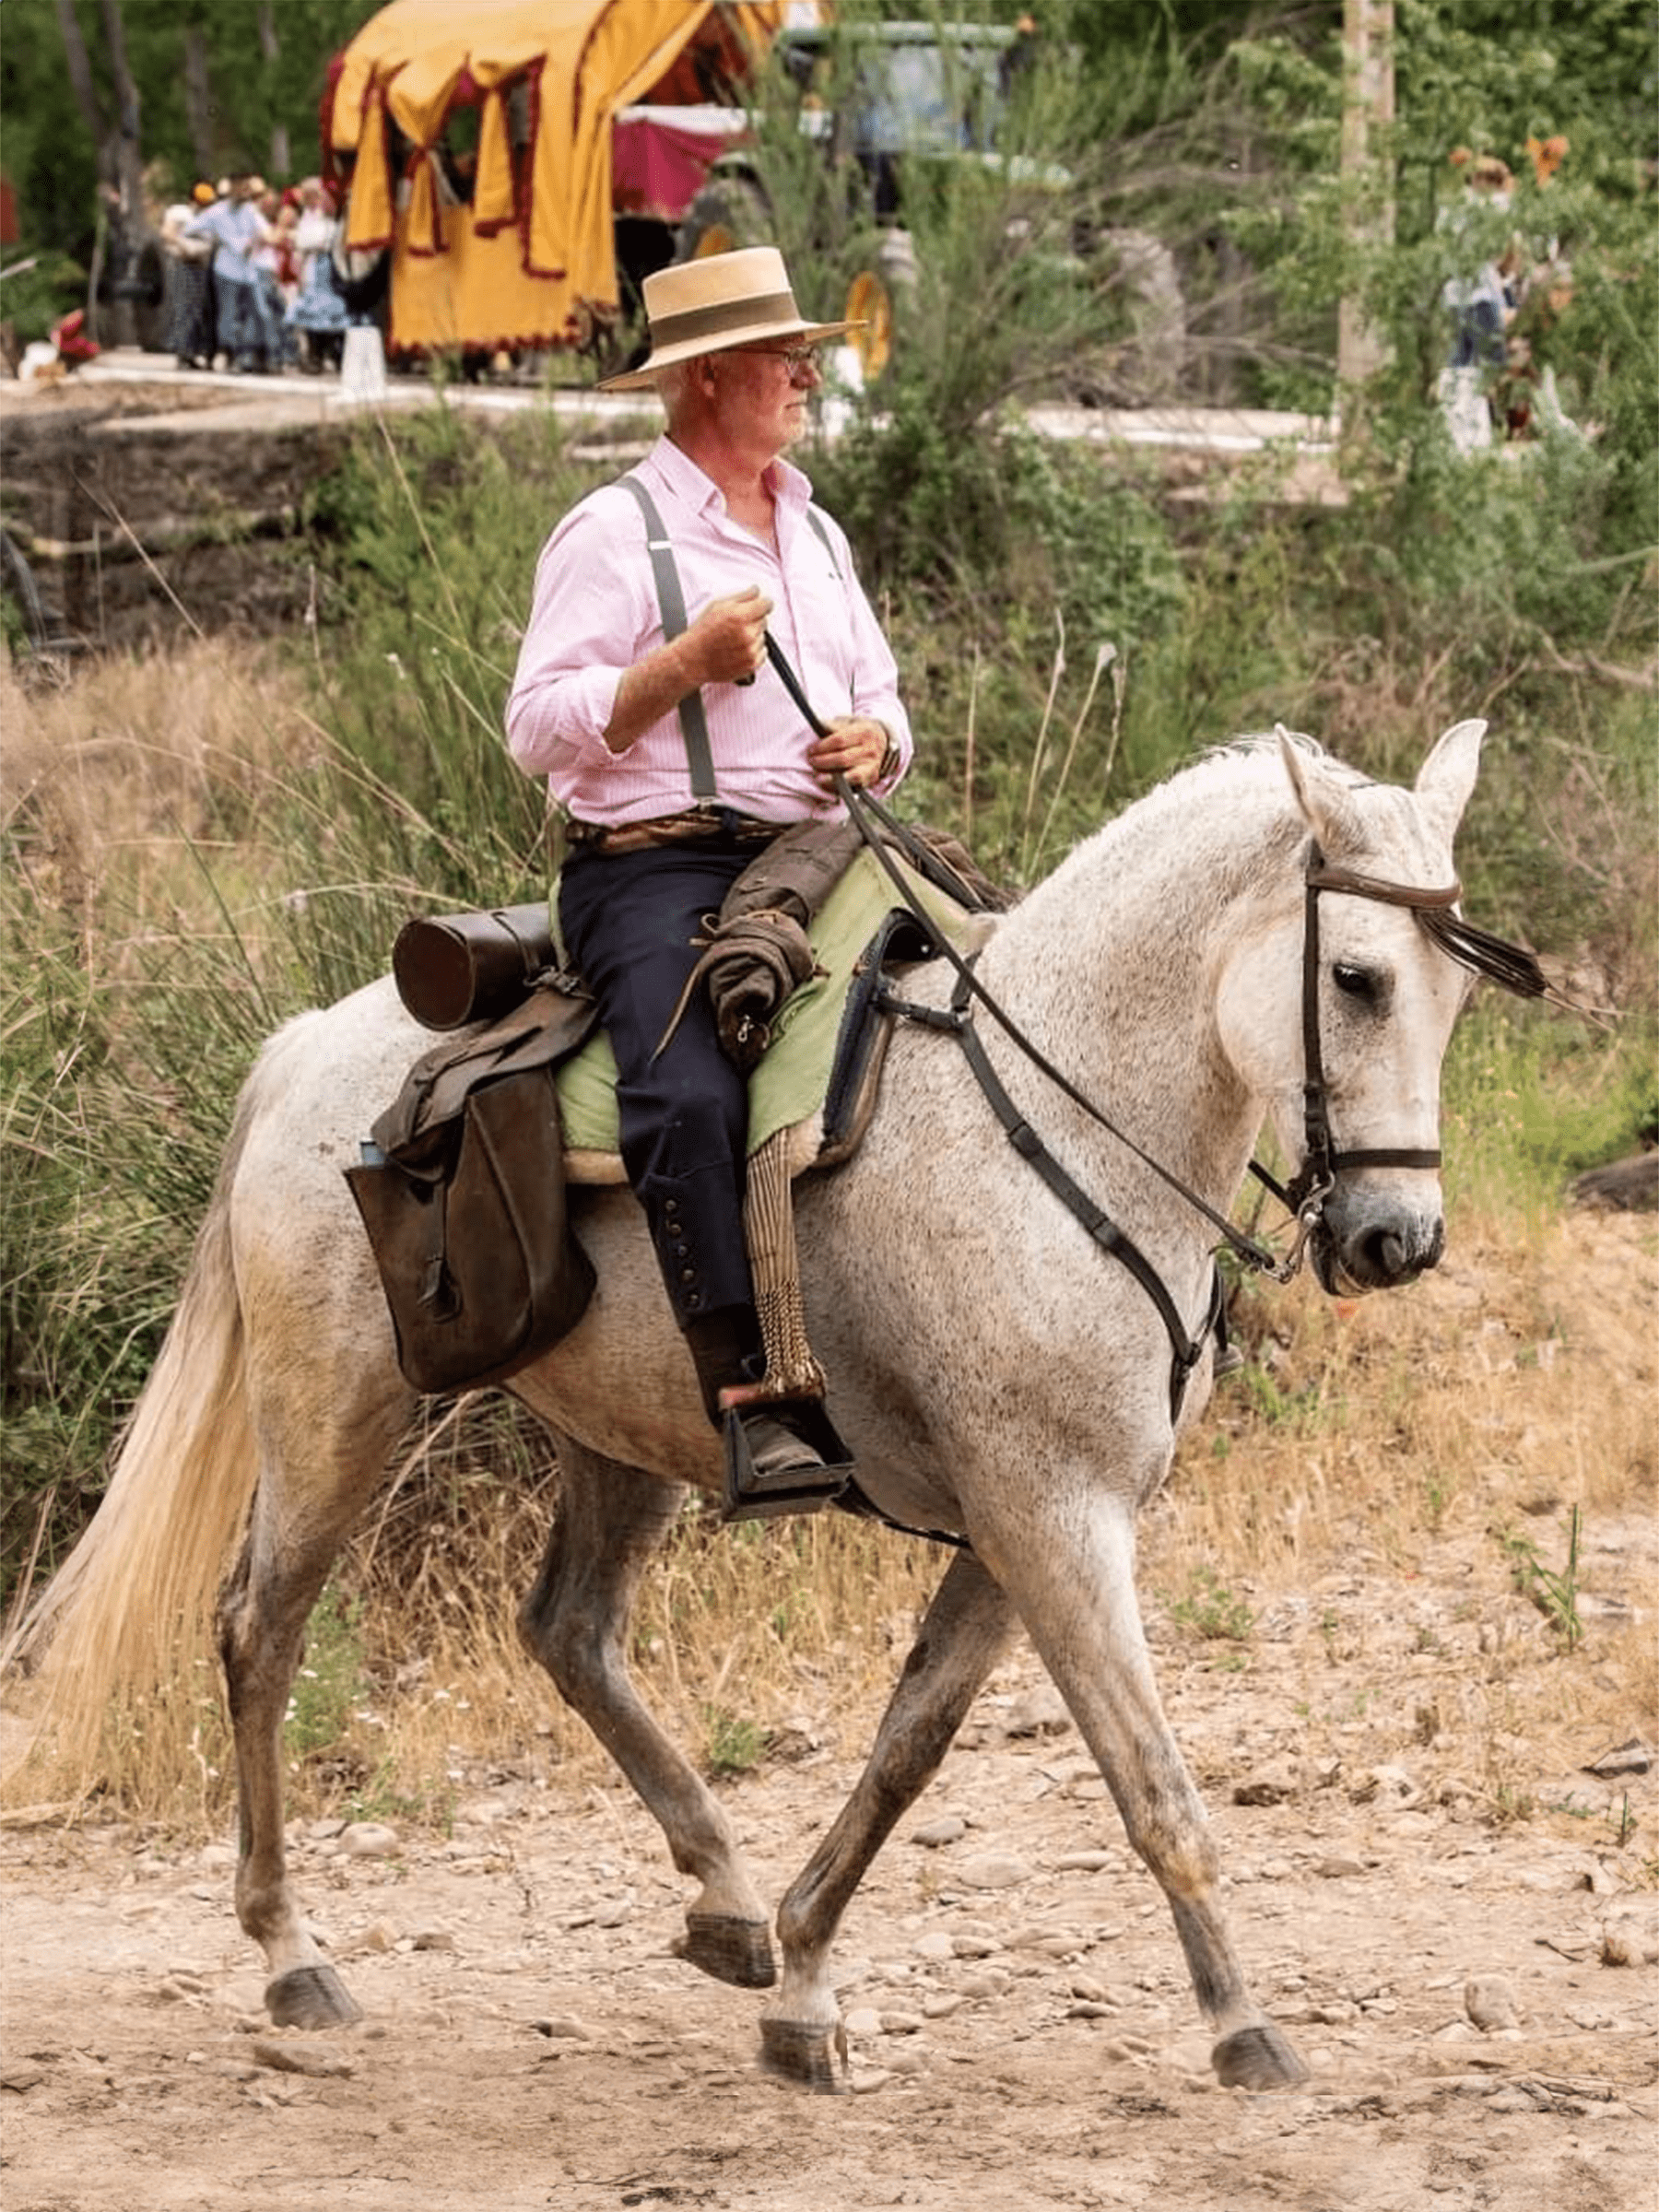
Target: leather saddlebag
{"points": [[462, 1194]]}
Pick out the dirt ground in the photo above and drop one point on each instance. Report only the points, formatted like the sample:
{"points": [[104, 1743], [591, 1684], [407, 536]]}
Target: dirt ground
{"points": [[1478, 2003]]}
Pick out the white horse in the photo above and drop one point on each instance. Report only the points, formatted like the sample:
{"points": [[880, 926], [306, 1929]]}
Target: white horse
{"points": [[1239, 947]]}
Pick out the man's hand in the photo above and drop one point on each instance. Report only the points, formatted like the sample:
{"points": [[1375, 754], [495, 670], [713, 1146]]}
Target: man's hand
{"points": [[855, 749], [727, 643]]}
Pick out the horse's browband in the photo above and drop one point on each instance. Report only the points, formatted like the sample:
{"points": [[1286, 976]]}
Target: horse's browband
{"points": [[1324, 878], [1510, 965]]}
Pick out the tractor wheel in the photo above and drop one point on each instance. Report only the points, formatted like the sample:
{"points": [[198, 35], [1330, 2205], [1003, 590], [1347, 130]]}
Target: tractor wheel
{"points": [[876, 298], [728, 213]]}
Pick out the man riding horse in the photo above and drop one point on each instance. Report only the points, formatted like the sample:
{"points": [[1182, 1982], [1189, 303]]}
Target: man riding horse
{"points": [[678, 754]]}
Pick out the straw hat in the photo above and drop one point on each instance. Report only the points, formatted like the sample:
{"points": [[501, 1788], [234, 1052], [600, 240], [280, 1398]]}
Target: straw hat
{"points": [[723, 299]]}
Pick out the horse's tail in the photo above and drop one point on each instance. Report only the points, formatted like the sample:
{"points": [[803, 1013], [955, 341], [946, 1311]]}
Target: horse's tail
{"points": [[126, 1621]]}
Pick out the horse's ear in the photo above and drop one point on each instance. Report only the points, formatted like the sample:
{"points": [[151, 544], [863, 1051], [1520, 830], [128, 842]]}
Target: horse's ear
{"points": [[1447, 777], [1319, 794]]}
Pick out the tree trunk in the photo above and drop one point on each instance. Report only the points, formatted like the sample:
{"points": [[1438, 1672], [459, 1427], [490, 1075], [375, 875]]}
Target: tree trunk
{"points": [[198, 103], [129, 222], [281, 158], [80, 76], [1368, 110]]}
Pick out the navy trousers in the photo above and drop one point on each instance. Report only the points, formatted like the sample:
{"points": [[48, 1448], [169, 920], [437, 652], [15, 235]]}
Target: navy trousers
{"points": [[628, 922]]}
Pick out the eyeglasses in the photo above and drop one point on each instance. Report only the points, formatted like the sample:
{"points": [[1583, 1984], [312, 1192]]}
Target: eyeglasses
{"points": [[795, 358]]}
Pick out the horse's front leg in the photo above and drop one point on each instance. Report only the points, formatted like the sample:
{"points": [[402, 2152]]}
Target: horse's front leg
{"points": [[965, 1631], [574, 1621], [1068, 1564]]}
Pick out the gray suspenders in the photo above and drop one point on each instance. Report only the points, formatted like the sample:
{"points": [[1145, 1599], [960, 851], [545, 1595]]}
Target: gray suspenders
{"points": [[671, 602]]}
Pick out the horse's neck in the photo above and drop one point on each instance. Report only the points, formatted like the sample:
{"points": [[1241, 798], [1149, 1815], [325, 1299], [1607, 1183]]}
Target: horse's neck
{"points": [[1109, 966]]}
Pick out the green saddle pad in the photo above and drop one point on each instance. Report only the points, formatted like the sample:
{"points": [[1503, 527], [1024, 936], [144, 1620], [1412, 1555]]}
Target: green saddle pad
{"points": [[791, 1082]]}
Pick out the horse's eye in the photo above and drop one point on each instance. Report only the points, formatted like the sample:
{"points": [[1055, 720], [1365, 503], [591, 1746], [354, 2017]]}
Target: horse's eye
{"points": [[1356, 982]]}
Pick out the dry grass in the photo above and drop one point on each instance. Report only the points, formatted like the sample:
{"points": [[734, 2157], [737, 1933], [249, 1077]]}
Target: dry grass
{"points": [[116, 791]]}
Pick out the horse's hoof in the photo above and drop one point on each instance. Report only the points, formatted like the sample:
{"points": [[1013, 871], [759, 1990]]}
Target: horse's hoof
{"points": [[311, 1996], [1257, 2058], [734, 1950], [814, 2057]]}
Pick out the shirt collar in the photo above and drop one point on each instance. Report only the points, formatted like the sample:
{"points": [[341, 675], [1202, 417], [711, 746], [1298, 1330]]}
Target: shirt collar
{"points": [[790, 486]]}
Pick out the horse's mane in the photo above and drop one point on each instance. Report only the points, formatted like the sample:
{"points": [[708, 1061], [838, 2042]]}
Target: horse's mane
{"points": [[1259, 822]]}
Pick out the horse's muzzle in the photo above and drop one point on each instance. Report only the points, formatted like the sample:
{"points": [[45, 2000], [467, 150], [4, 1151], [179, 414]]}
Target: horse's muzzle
{"points": [[1366, 1240]]}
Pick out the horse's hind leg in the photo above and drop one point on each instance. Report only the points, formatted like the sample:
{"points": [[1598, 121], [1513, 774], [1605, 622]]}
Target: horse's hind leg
{"points": [[306, 1504], [965, 1631], [574, 1621]]}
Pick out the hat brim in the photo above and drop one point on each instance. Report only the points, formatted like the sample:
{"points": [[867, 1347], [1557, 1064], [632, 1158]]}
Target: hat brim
{"points": [[691, 349]]}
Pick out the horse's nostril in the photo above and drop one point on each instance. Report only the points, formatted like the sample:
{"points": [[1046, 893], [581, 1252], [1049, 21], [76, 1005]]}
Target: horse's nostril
{"points": [[1385, 1255], [1393, 1256]]}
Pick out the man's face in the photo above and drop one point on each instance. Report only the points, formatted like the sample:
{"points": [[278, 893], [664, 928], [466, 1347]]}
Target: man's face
{"points": [[768, 389]]}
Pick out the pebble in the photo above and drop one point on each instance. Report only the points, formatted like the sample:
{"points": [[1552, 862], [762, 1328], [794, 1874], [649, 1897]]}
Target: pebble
{"points": [[948, 1829], [862, 2020], [1041, 1712], [1339, 1869], [994, 1870], [563, 2024], [1084, 1862], [1623, 1943], [936, 1945], [370, 1840], [1270, 1784], [970, 1943], [291, 2057], [983, 1985], [940, 2009], [1391, 1785], [1489, 2001]]}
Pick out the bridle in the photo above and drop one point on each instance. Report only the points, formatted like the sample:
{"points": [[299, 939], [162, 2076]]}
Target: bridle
{"points": [[1306, 1195]]}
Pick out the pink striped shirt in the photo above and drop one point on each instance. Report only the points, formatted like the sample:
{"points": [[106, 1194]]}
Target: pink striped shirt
{"points": [[595, 614]]}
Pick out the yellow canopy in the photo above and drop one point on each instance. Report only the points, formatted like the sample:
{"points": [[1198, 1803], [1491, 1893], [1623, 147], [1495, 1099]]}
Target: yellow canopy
{"points": [[535, 244]]}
